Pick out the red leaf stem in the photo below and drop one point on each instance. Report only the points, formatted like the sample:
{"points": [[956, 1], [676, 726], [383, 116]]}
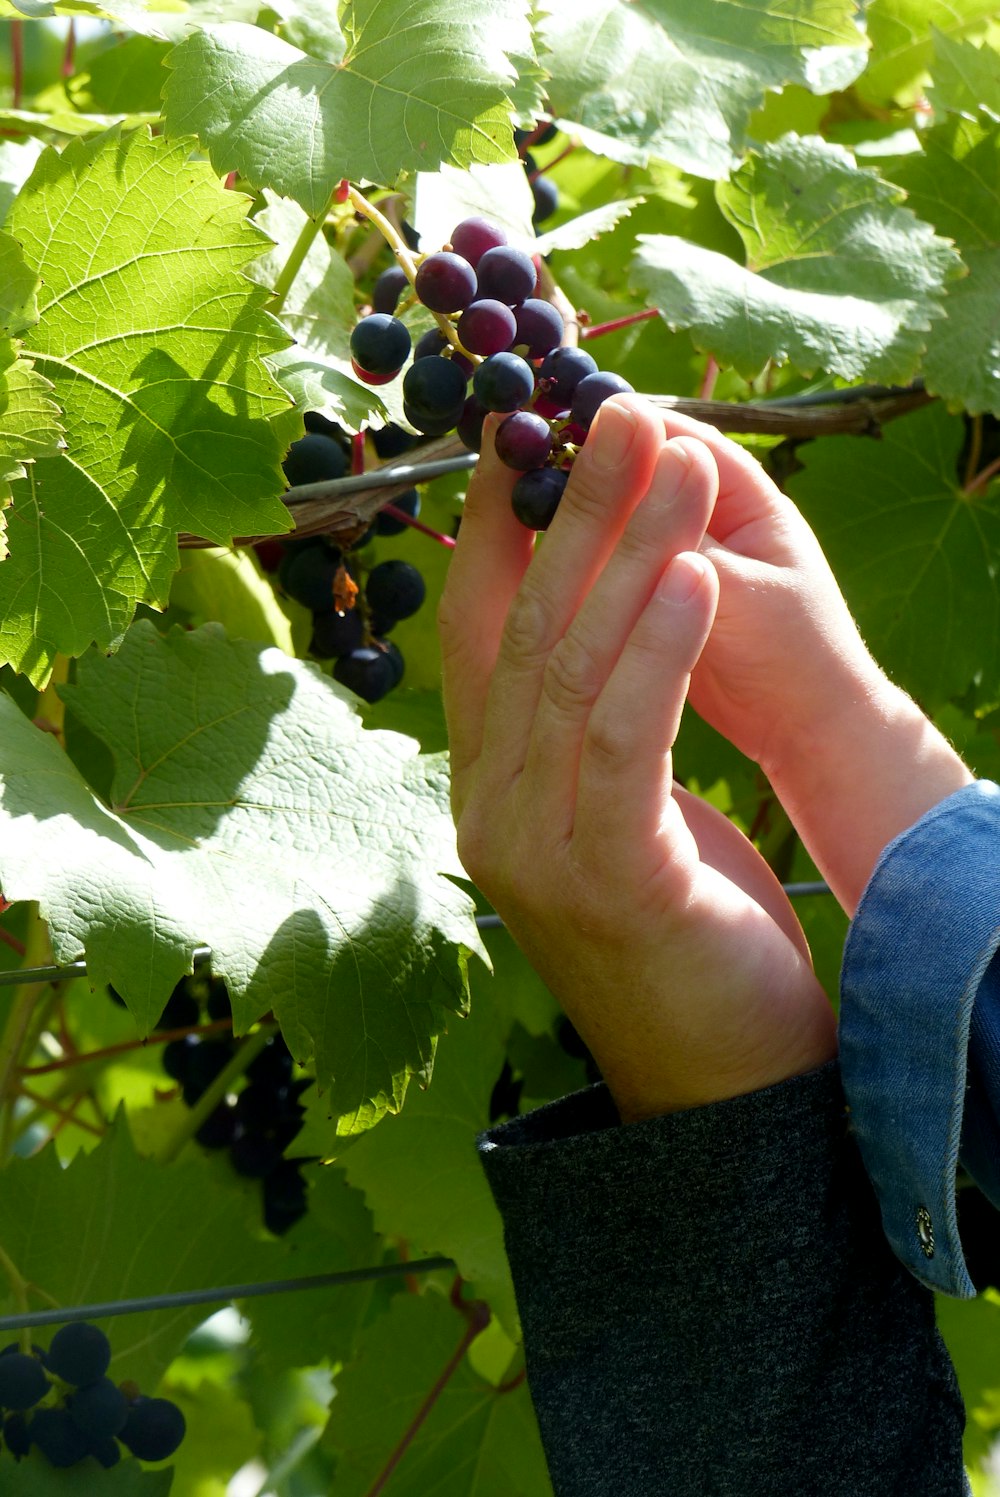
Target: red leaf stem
{"points": [[405, 519], [598, 329]]}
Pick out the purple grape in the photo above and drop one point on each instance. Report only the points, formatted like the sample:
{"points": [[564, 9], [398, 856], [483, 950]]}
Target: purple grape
{"points": [[388, 289], [336, 633], [154, 1429], [474, 236], [253, 1155], [395, 590], [57, 1437], [99, 1410], [546, 196], [380, 344], [17, 1436], [486, 327], [503, 382], [445, 282], [79, 1353], [592, 391], [564, 368], [539, 326], [22, 1381], [523, 441], [308, 577], [314, 459], [391, 441], [506, 274], [435, 388], [536, 495], [370, 672], [219, 1128], [470, 424], [430, 343]]}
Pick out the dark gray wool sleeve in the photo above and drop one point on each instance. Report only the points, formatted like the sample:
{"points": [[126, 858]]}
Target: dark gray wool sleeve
{"points": [[710, 1307]]}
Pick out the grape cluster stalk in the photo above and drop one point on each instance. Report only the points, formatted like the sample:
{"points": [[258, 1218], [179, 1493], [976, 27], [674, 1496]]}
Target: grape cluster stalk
{"points": [[62, 1403]]}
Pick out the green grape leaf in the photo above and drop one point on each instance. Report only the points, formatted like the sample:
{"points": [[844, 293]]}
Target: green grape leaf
{"points": [[477, 1440], [313, 26], [955, 185], [902, 41], [420, 1172], [839, 275], [679, 82], [966, 78], [253, 814], [126, 79], [319, 311], [153, 342], [135, 1232], [17, 160], [36, 1478], [29, 422], [18, 288], [227, 588], [415, 88], [916, 557]]}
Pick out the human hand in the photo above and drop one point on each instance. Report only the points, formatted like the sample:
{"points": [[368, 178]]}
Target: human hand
{"points": [[786, 676], [653, 920]]}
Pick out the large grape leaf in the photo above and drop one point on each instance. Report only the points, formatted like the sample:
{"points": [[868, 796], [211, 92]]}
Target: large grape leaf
{"points": [[29, 422], [902, 38], [477, 1440], [420, 1173], [251, 813], [34, 1477], [138, 1227], [917, 558], [418, 85], [839, 275], [955, 185], [679, 81], [153, 342], [966, 77]]}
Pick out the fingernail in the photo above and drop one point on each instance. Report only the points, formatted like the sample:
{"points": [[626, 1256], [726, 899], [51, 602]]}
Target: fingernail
{"points": [[613, 433], [680, 579], [672, 467]]}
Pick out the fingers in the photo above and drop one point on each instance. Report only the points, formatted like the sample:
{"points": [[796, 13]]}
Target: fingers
{"points": [[671, 517]]}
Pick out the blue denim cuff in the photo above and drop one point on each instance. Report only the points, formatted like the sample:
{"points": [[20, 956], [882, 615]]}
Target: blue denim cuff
{"points": [[920, 1028]]}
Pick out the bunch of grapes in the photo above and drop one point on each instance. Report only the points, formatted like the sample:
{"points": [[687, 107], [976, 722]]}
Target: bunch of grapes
{"points": [[62, 1402], [508, 342]]}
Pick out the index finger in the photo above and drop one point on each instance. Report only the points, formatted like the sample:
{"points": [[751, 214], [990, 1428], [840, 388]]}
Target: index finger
{"points": [[746, 493]]}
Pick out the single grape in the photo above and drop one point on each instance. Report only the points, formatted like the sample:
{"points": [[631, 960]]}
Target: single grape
{"points": [[388, 288], [503, 382], [434, 389], [57, 1437], [486, 327], [205, 1063], [319, 425], [474, 236], [539, 326], [336, 633], [99, 1410], [536, 495], [80, 1353], [181, 1010], [380, 344], [470, 424], [398, 667], [407, 504], [369, 672], [395, 590], [219, 1128], [273, 1065], [309, 576], [106, 1453], [253, 1155], [17, 1435], [591, 393], [392, 441], [314, 459], [506, 274], [445, 282], [523, 441], [154, 1429], [430, 343], [564, 368], [546, 196], [22, 1381]]}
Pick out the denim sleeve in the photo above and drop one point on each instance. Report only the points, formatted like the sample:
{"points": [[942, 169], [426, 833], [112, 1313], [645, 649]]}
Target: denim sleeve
{"points": [[710, 1307], [920, 1028]]}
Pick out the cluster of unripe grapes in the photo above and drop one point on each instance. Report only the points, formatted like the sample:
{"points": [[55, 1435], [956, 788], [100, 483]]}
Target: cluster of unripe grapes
{"points": [[504, 339], [62, 1402]]}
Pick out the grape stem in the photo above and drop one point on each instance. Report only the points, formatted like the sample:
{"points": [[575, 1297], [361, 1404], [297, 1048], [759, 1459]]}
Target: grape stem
{"points": [[598, 329], [17, 61], [161, 1037], [982, 479], [296, 259], [68, 1115], [401, 250], [405, 519], [214, 1094]]}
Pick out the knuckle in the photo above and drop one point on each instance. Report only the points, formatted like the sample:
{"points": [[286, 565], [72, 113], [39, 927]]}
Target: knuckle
{"points": [[609, 741], [587, 496], [528, 629], [572, 678]]}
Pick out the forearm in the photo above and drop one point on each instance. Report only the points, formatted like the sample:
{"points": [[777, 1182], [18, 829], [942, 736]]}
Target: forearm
{"points": [[709, 1304]]}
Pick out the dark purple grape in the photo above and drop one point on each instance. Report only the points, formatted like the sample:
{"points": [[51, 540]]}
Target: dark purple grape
{"points": [[435, 389], [506, 274], [182, 1011], [564, 368], [445, 282], [79, 1353], [474, 236], [106, 1453], [546, 196], [219, 1128], [392, 441], [13, 1348], [319, 425], [22, 1381], [408, 504], [539, 326], [394, 590], [309, 576], [154, 1429], [207, 1061], [388, 288], [536, 495], [470, 424], [261, 1106], [336, 633], [17, 1435], [99, 1410], [253, 1155], [369, 672], [591, 393], [523, 441], [314, 459], [430, 343], [57, 1437], [380, 344], [273, 1065], [398, 666], [504, 382], [486, 327]]}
